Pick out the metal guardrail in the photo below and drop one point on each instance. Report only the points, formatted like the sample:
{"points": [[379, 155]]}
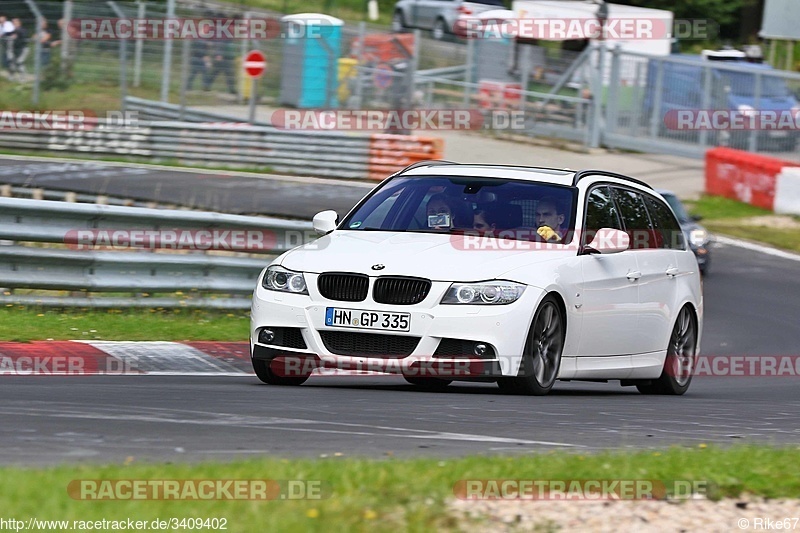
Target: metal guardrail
{"points": [[210, 279], [226, 141]]}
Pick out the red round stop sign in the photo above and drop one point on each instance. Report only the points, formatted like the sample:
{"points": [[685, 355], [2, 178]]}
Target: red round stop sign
{"points": [[255, 64]]}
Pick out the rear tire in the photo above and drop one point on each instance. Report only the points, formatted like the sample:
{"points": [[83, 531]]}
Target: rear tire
{"points": [[265, 374], [541, 358], [681, 359]]}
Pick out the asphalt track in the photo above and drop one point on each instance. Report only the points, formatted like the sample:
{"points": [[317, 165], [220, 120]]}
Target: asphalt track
{"points": [[751, 309], [228, 192]]}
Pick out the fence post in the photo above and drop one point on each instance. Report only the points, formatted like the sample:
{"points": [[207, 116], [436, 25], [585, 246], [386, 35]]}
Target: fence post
{"points": [[597, 97], [123, 59], [357, 95], [752, 144], [657, 98], [240, 77], [37, 60], [65, 37], [525, 74], [185, 53], [612, 105], [167, 65], [137, 59], [705, 103], [468, 74], [638, 102], [411, 74]]}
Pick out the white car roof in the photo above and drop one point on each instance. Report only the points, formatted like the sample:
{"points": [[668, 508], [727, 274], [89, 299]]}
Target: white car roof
{"points": [[546, 175]]}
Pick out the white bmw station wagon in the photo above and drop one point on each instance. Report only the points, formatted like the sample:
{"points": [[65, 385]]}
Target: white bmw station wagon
{"points": [[515, 275]]}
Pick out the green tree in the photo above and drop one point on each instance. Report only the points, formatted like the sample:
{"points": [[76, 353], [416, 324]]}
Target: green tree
{"points": [[723, 12]]}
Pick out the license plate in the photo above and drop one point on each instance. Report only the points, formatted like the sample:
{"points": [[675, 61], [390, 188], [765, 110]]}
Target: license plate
{"points": [[358, 318]]}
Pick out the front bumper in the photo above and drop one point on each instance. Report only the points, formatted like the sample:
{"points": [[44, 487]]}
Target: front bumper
{"points": [[503, 328]]}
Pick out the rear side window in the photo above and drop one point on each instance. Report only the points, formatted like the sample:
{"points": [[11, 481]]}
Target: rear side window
{"points": [[665, 224], [636, 220], [601, 212]]}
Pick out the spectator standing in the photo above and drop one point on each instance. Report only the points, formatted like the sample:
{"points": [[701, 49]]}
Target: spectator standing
{"points": [[223, 55], [17, 49], [200, 63], [6, 29], [45, 37]]}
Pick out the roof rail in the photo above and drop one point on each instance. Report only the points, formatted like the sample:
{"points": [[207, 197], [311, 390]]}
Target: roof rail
{"points": [[592, 172], [427, 162]]}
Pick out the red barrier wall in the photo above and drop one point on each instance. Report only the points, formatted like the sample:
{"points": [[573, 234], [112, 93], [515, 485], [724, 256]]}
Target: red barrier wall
{"points": [[743, 176]]}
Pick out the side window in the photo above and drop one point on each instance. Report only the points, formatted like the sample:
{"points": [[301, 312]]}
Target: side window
{"points": [[634, 216], [665, 223], [600, 213]]}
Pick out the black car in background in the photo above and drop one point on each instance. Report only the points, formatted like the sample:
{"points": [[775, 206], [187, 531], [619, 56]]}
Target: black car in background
{"points": [[698, 237]]}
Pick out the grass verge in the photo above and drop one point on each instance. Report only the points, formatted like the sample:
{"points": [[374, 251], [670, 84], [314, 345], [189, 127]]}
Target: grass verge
{"points": [[25, 323], [737, 219], [387, 495]]}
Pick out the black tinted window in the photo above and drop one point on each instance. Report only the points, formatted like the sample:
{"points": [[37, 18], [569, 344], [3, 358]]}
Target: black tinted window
{"points": [[634, 217], [665, 224], [600, 213]]}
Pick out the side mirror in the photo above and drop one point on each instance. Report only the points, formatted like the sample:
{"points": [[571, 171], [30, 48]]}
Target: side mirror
{"points": [[697, 218], [608, 241], [324, 222]]}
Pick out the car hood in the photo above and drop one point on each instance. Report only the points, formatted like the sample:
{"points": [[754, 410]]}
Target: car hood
{"points": [[766, 103], [426, 255]]}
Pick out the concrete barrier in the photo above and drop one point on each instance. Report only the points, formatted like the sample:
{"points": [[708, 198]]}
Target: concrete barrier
{"points": [[745, 176]]}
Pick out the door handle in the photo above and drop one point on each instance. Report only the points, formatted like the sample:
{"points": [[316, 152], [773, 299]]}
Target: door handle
{"points": [[672, 271], [634, 275]]}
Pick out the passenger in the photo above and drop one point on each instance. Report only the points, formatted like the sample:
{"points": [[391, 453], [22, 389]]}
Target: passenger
{"points": [[447, 212], [550, 219]]}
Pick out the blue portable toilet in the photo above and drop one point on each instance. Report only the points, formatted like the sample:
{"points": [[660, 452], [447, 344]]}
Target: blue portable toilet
{"points": [[311, 52]]}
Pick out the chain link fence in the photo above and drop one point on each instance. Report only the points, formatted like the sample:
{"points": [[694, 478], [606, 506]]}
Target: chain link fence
{"points": [[618, 99]]}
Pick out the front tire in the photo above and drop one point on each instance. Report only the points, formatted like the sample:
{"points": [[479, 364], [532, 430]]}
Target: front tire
{"points": [[681, 359], [398, 22], [439, 30], [263, 371], [541, 358]]}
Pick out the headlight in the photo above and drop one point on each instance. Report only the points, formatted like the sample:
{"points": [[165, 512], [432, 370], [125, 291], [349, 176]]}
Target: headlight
{"points": [[484, 293], [698, 238], [280, 279]]}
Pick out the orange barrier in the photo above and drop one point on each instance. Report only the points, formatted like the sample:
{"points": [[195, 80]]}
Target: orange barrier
{"points": [[384, 48], [743, 176], [498, 94], [389, 153]]}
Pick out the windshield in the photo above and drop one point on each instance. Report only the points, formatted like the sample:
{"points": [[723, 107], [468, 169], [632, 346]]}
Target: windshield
{"points": [[491, 206], [677, 206], [744, 84]]}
